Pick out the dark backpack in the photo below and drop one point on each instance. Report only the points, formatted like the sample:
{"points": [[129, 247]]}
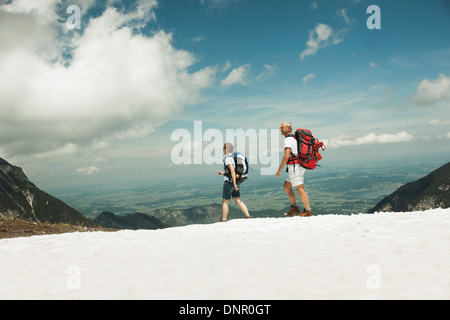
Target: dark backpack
{"points": [[241, 167], [308, 149]]}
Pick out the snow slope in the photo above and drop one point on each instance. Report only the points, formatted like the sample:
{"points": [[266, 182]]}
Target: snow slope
{"points": [[364, 256]]}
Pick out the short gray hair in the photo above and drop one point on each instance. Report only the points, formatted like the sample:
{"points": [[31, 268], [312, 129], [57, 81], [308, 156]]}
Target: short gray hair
{"points": [[288, 124], [229, 148]]}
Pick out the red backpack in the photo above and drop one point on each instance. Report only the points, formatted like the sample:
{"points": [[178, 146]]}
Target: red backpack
{"points": [[308, 149]]}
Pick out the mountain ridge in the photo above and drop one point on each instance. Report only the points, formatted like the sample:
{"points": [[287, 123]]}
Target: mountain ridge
{"points": [[20, 198], [166, 218], [429, 192], [133, 221]]}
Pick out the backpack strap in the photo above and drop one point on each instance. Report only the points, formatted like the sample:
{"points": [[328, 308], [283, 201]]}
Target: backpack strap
{"points": [[227, 172], [293, 159]]}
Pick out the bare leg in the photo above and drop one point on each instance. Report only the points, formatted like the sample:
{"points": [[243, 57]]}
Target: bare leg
{"points": [[290, 193], [242, 206], [303, 196], [224, 210]]}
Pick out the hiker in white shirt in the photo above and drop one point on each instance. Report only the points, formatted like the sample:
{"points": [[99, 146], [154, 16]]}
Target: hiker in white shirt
{"points": [[295, 173]]}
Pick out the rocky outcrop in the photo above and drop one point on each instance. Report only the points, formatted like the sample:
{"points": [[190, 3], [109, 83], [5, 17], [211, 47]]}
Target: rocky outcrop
{"points": [[20, 198], [429, 192]]}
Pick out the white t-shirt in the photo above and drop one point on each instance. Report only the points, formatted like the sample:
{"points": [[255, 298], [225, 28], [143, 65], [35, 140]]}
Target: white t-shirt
{"points": [[228, 159], [295, 172], [290, 142]]}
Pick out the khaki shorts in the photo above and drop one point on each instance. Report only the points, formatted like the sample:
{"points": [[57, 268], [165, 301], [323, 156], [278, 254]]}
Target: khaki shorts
{"points": [[295, 175]]}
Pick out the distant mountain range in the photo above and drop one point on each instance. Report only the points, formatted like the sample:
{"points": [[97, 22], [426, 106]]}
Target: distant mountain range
{"points": [[20, 198], [429, 192], [132, 221], [162, 218]]}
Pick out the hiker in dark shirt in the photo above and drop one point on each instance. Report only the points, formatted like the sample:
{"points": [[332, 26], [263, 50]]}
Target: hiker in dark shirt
{"points": [[230, 187]]}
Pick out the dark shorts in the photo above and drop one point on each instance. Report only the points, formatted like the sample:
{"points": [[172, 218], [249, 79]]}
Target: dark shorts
{"points": [[228, 191]]}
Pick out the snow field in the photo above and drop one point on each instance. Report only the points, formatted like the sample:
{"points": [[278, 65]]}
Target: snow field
{"points": [[363, 256]]}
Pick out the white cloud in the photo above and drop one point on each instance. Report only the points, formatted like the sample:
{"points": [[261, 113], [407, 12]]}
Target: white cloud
{"points": [[44, 10], [432, 91], [320, 37], [402, 62], [434, 122], [269, 72], [117, 83], [371, 138], [343, 13], [443, 136], [437, 122], [308, 77], [373, 65], [237, 75], [87, 171], [313, 5], [227, 66], [323, 35], [198, 39]]}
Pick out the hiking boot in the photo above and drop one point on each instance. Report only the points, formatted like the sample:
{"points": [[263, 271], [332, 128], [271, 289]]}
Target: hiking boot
{"points": [[293, 211], [306, 213]]}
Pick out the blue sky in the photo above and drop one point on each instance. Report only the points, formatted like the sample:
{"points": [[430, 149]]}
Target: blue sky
{"points": [[101, 103]]}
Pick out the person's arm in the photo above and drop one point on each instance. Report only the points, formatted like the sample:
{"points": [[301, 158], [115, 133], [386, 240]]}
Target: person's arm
{"points": [[233, 176], [287, 154]]}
